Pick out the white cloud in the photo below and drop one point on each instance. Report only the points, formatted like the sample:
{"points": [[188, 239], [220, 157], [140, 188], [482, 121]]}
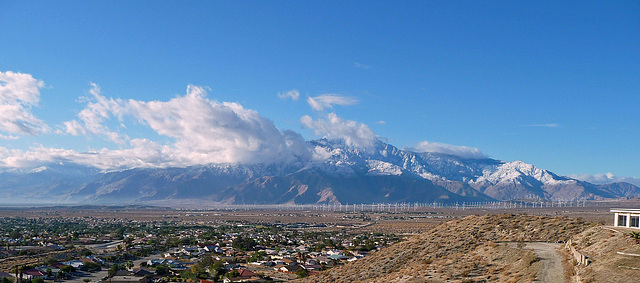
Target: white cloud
{"points": [[325, 101], [381, 122], [98, 110], [209, 131], [73, 128], [3, 137], [606, 178], [461, 151], [352, 133], [204, 131], [18, 93], [361, 66], [293, 94]]}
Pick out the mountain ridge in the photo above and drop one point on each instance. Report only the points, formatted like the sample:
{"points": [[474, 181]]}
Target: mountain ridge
{"points": [[337, 173]]}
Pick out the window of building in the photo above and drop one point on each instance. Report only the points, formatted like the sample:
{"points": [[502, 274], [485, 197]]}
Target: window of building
{"points": [[622, 220], [635, 221]]}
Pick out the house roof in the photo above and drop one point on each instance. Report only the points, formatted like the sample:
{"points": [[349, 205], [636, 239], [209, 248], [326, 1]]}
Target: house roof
{"points": [[625, 210], [142, 271], [125, 279], [246, 273], [33, 272], [58, 265], [4, 274]]}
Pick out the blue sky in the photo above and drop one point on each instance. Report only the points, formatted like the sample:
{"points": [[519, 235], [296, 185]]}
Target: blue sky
{"points": [[552, 84]]}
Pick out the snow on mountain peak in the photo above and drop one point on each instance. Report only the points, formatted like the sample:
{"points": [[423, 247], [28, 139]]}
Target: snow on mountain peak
{"points": [[38, 170], [379, 168]]}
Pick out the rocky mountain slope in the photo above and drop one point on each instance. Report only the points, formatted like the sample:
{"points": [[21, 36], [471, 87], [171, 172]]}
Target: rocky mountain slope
{"points": [[337, 173]]}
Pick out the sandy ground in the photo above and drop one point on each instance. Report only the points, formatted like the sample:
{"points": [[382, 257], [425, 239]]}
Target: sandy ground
{"points": [[552, 271]]}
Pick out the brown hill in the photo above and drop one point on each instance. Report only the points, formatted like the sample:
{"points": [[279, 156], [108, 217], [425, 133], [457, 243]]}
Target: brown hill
{"points": [[462, 250], [613, 253]]}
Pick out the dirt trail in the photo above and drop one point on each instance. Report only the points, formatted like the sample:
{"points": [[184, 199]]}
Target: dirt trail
{"points": [[552, 270]]}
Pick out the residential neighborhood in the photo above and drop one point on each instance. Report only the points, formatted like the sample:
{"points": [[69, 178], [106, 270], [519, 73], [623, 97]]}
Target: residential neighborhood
{"points": [[116, 250]]}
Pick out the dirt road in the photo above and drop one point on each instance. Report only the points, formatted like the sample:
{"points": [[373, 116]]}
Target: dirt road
{"points": [[552, 271]]}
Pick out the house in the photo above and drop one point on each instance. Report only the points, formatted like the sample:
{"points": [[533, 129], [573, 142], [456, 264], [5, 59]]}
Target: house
{"points": [[93, 259], [77, 264], [6, 275], [338, 257], [271, 251], [141, 272], [312, 266], [45, 268], [156, 262], [291, 268], [32, 273], [629, 218], [213, 249], [301, 248], [334, 252], [231, 265], [243, 276], [323, 259], [124, 279], [189, 250]]}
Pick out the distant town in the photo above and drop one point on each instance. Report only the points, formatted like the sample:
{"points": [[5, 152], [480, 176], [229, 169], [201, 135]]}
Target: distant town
{"points": [[240, 244], [185, 246]]}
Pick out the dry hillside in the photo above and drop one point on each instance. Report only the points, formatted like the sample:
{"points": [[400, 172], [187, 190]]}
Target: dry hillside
{"points": [[602, 245], [462, 250]]}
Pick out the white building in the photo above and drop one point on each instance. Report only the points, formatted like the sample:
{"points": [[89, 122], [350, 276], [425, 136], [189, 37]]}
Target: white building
{"points": [[629, 218]]}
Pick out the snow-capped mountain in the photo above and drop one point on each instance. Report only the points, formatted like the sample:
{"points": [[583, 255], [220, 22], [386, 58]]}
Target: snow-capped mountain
{"points": [[337, 173], [494, 178]]}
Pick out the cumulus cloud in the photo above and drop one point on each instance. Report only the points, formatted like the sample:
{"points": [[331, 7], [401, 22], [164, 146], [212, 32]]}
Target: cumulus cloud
{"points": [[210, 131], [461, 151], [293, 94], [326, 101], [333, 127], [605, 178], [98, 109], [141, 155], [203, 131], [18, 94]]}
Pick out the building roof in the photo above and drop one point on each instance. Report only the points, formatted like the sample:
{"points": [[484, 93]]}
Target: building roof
{"points": [[4, 274], [33, 272], [246, 273], [125, 279], [626, 210]]}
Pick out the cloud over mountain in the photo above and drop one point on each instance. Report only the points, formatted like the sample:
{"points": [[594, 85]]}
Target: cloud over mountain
{"points": [[461, 151], [354, 134], [605, 178], [208, 131], [203, 131]]}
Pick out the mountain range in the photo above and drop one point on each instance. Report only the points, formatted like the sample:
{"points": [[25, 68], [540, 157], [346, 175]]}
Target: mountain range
{"points": [[338, 173]]}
